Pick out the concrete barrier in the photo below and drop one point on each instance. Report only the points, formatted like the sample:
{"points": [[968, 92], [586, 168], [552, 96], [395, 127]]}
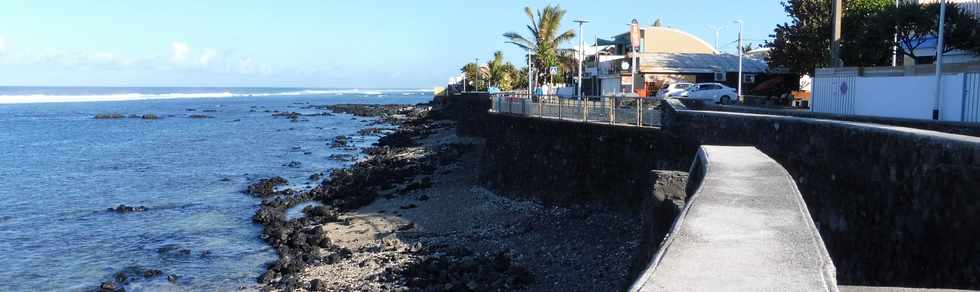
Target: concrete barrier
{"points": [[746, 228]]}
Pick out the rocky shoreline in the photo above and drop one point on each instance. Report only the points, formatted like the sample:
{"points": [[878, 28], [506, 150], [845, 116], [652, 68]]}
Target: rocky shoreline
{"points": [[411, 217], [391, 165]]}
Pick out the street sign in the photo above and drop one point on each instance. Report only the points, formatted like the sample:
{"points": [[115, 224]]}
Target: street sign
{"points": [[553, 70]]}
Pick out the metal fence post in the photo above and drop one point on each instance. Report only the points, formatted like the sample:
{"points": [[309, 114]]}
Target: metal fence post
{"points": [[559, 108], [524, 106], [612, 109], [639, 112]]}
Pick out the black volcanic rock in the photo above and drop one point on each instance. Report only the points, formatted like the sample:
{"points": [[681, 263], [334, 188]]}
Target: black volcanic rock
{"points": [[122, 209], [266, 187]]}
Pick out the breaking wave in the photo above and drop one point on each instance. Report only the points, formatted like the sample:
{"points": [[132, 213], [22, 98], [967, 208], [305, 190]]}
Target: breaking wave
{"points": [[49, 98]]}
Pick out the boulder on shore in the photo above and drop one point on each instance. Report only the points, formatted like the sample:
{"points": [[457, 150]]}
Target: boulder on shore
{"points": [[266, 187]]}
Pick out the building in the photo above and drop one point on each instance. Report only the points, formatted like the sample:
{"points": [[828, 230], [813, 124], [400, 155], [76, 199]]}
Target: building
{"points": [[666, 55]]}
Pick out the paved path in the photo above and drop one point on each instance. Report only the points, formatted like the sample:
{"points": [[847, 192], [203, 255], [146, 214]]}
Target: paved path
{"points": [[746, 229]]}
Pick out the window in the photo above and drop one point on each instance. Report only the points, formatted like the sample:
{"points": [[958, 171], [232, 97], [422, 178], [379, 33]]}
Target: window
{"points": [[748, 78], [719, 76]]}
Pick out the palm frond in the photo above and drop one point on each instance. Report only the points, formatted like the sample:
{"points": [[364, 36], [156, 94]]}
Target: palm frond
{"points": [[564, 37]]}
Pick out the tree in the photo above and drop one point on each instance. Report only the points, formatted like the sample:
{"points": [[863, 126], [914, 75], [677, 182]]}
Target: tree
{"points": [[866, 42], [475, 77], [804, 44], [544, 38], [658, 23], [961, 28], [495, 69], [518, 77], [870, 27]]}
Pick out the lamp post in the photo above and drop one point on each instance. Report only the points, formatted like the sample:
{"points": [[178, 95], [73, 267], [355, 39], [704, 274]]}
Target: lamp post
{"points": [[530, 84], [895, 39], [717, 30], [739, 59], [581, 55], [939, 60], [634, 46]]}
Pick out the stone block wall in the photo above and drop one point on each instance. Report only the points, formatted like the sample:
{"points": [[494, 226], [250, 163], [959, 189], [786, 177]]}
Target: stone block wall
{"points": [[566, 162], [895, 206]]}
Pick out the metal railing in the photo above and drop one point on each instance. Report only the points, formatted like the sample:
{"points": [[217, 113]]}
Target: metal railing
{"points": [[636, 111]]}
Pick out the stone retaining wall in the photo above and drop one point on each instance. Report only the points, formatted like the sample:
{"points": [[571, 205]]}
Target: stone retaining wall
{"points": [[895, 206], [566, 162]]}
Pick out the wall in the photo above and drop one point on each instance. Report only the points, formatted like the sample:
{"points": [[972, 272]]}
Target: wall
{"points": [[895, 206], [961, 128], [469, 110], [566, 162], [910, 97]]}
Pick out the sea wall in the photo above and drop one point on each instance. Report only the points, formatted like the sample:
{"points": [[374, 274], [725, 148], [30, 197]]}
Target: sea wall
{"points": [[567, 162], [469, 110], [895, 206]]}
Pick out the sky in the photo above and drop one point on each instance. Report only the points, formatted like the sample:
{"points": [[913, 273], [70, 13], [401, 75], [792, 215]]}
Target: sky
{"points": [[322, 44]]}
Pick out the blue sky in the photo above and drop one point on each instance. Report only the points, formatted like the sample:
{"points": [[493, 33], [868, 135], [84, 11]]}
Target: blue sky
{"points": [[334, 44]]}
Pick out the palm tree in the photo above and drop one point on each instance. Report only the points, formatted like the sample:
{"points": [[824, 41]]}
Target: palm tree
{"points": [[544, 36], [495, 69]]}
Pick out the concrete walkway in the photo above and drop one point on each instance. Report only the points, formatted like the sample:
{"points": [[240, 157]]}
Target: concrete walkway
{"points": [[745, 229]]}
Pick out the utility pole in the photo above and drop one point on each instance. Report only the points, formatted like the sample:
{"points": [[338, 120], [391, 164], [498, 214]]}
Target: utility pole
{"points": [[895, 39], [838, 11], [740, 53], [581, 55], [940, 47]]}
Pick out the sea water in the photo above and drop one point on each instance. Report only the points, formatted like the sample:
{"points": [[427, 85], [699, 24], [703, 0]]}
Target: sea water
{"points": [[60, 169]]}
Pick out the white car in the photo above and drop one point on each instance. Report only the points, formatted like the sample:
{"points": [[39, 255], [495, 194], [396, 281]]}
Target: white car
{"points": [[673, 90], [714, 92]]}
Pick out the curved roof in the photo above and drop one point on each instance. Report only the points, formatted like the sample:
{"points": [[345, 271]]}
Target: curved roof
{"points": [[658, 39]]}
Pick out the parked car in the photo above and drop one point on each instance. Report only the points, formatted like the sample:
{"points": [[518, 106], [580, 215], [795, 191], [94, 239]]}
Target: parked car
{"points": [[673, 90], [714, 92]]}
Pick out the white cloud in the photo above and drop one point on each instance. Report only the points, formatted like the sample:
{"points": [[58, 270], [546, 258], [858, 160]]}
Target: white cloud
{"points": [[3, 44], [208, 57], [180, 52]]}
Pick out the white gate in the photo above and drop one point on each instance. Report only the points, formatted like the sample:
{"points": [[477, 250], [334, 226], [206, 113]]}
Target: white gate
{"points": [[834, 91], [971, 97]]}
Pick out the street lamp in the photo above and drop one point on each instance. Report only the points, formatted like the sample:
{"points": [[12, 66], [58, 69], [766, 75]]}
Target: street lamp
{"points": [[717, 30], [739, 22], [581, 55]]}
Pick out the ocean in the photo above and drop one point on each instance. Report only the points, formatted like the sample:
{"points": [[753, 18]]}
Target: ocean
{"points": [[61, 169]]}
